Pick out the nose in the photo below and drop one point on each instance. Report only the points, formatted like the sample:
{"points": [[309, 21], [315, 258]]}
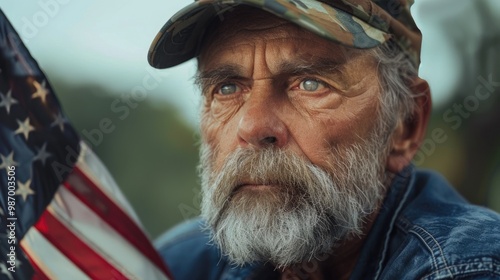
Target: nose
{"points": [[260, 124]]}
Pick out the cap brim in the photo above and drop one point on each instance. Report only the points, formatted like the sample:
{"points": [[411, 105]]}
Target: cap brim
{"points": [[180, 38]]}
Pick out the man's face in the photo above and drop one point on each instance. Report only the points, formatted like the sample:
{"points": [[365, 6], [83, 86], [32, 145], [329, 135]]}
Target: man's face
{"points": [[289, 86], [292, 161]]}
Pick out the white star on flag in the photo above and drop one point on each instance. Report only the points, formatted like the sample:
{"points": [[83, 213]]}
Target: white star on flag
{"points": [[41, 92], [4, 270], [23, 189], [24, 128], [7, 101], [7, 234], [18, 263], [59, 121], [8, 161], [42, 154]]}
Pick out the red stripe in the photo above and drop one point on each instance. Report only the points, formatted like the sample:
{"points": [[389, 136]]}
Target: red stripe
{"points": [[39, 274], [84, 188], [84, 257]]}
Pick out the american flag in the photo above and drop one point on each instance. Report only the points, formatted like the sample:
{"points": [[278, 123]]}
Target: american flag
{"points": [[62, 216]]}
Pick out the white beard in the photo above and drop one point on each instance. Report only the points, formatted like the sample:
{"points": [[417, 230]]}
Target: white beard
{"points": [[308, 211]]}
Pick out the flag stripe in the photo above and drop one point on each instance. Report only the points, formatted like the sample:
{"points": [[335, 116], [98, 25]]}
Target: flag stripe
{"points": [[91, 195], [75, 249], [40, 251], [93, 230], [94, 169], [39, 274]]}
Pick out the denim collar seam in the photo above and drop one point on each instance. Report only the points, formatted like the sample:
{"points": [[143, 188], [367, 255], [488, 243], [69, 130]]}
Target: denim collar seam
{"points": [[405, 177], [489, 265], [434, 248]]}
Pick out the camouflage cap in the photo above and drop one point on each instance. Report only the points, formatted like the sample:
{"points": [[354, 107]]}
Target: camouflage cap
{"points": [[355, 23]]}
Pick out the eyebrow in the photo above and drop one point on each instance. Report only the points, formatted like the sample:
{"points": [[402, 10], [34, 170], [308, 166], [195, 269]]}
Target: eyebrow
{"points": [[315, 66], [205, 79]]}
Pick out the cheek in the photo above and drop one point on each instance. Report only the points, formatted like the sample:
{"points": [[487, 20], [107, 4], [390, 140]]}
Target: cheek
{"points": [[325, 121], [317, 107], [218, 115], [208, 126], [218, 130], [335, 122], [223, 111]]}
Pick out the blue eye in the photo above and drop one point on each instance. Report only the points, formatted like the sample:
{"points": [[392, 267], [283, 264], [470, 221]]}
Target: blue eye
{"points": [[227, 89], [311, 85]]}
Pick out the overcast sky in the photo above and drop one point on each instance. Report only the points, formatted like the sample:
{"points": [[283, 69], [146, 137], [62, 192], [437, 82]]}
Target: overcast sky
{"points": [[106, 42]]}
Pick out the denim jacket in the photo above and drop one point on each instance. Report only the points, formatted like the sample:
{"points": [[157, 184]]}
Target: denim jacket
{"points": [[425, 230]]}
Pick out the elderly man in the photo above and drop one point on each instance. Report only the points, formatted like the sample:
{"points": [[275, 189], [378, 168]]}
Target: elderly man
{"points": [[311, 114]]}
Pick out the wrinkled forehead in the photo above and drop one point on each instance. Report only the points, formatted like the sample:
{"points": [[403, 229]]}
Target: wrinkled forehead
{"points": [[249, 20], [246, 24]]}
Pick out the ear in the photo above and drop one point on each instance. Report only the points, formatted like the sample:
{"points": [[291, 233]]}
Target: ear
{"points": [[410, 133]]}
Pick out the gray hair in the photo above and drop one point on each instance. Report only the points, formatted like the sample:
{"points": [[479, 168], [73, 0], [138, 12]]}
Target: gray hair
{"points": [[396, 73]]}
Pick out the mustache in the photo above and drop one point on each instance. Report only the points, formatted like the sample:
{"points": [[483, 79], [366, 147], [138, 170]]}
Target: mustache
{"points": [[293, 175]]}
